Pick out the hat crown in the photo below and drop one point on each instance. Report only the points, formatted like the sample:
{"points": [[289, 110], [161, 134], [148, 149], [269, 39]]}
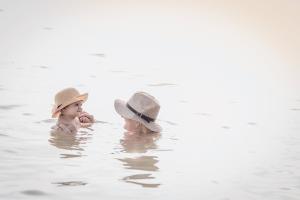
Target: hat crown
{"points": [[66, 95], [145, 104]]}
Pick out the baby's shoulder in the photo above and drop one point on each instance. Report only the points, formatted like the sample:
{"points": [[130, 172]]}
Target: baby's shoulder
{"points": [[60, 127]]}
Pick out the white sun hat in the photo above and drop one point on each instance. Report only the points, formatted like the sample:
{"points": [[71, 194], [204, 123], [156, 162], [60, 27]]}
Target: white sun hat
{"points": [[141, 107]]}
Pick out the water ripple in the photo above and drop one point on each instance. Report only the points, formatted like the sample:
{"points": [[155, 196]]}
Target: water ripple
{"points": [[34, 192], [70, 183]]}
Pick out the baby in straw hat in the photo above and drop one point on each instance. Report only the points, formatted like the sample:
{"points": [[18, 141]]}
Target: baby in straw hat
{"points": [[68, 109], [140, 113]]}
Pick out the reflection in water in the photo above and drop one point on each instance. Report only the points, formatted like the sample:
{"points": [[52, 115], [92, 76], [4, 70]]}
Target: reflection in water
{"points": [[33, 192], [132, 143], [133, 178], [50, 121], [169, 122], [48, 28], [70, 183], [9, 107], [27, 114], [295, 109], [98, 54], [146, 163], [42, 67], [72, 142], [252, 123]]}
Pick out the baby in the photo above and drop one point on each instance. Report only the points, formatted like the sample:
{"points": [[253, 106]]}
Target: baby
{"points": [[68, 109], [139, 113]]}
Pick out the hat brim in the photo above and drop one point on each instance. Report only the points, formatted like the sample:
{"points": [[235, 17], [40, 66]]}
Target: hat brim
{"points": [[121, 109], [82, 97]]}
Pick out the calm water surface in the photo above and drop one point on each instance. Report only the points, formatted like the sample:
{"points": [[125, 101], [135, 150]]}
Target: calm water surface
{"points": [[230, 102]]}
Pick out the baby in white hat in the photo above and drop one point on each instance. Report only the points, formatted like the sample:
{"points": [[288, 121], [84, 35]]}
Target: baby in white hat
{"points": [[68, 109], [140, 113]]}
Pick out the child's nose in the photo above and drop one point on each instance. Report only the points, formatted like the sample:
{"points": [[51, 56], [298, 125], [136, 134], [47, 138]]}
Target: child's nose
{"points": [[79, 109]]}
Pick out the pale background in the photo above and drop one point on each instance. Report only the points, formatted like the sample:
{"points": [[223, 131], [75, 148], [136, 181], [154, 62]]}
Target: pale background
{"points": [[226, 74]]}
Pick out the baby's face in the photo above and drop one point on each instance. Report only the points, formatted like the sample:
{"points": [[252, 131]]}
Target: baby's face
{"points": [[130, 125], [73, 110]]}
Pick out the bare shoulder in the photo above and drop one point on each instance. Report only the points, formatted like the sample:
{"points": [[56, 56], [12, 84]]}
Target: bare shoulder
{"points": [[61, 128]]}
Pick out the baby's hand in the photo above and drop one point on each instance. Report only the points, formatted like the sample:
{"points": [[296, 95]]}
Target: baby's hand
{"points": [[86, 119]]}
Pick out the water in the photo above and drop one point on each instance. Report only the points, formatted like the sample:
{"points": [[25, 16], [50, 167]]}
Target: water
{"points": [[229, 97]]}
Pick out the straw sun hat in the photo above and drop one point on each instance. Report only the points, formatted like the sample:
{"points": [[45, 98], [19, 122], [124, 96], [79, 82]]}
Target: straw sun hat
{"points": [[66, 97], [141, 107]]}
